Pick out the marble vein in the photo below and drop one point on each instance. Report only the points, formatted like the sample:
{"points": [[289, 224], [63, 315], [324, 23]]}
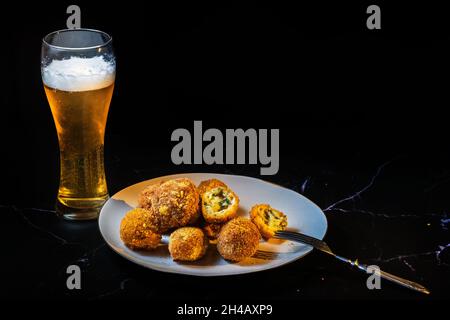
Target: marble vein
{"points": [[443, 216], [435, 253], [38, 228], [304, 185], [358, 193]]}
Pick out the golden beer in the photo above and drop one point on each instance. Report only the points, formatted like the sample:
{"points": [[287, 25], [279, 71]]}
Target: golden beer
{"points": [[78, 69], [80, 119]]}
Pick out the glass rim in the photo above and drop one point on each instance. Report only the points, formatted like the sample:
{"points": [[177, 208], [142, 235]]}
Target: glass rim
{"points": [[44, 41]]}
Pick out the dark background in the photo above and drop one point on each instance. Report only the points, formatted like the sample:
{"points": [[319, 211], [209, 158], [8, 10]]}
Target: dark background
{"points": [[345, 98], [315, 71]]}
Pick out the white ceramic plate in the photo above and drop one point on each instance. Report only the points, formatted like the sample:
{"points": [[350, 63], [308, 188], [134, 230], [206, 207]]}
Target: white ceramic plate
{"points": [[303, 215]]}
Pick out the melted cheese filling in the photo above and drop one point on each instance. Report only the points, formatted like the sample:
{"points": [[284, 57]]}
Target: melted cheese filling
{"points": [[218, 199], [274, 219]]}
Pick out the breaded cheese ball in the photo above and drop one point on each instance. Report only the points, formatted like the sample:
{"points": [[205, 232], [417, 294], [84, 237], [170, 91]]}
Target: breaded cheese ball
{"points": [[188, 244], [268, 220], [135, 231], [202, 188], [219, 204], [238, 239], [173, 204]]}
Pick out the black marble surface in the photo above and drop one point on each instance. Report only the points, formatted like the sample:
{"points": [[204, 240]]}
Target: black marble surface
{"points": [[363, 134], [394, 214]]}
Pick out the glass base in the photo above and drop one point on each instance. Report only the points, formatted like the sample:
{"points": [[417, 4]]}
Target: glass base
{"points": [[80, 208]]}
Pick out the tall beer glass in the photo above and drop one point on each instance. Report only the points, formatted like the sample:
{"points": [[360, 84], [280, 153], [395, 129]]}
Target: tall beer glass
{"points": [[78, 71]]}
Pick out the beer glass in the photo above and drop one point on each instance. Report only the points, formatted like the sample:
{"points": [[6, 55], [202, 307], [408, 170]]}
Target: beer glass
{"points": [[78, 70]]}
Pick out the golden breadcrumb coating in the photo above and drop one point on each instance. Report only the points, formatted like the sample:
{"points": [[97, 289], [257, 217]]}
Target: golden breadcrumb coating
{"points": [[196, 217], [238, 239], [187, 244], [212, 230], [209, 184], [268, 220], [219, 204], [173, 203], [135, 231], [144, 200]]}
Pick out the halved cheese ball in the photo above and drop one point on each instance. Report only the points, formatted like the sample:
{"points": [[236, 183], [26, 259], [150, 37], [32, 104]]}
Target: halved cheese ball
{"points": [[219, 205], [268, 220]]}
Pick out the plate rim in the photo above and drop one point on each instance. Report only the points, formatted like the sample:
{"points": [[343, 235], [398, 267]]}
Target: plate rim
{"points": [[130, 258]]}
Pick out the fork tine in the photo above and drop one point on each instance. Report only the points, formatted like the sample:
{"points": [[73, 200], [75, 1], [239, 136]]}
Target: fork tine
{"points": [[294, 236], [303, 238], [300, 235]]}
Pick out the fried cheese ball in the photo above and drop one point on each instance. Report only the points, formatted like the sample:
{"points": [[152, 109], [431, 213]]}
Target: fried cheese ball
{"points": [[174, 204], [201, 189], [219, 204], [238, 239], [135, 231], [268, 220], [187, 244], [212, 230]]}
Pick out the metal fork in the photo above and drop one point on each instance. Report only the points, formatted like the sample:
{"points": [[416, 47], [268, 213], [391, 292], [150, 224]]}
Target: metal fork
{"points": [[322, 246]]}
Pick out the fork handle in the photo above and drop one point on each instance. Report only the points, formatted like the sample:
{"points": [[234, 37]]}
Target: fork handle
{"points": [[388, 276]]}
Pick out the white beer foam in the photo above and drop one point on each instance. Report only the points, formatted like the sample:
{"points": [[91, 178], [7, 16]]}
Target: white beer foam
{"points": [[79, 74]]}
